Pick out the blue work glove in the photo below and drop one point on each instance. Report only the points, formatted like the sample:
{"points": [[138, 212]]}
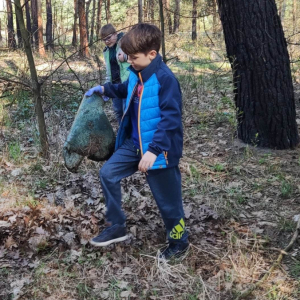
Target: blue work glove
{"points": [[96, 89]]}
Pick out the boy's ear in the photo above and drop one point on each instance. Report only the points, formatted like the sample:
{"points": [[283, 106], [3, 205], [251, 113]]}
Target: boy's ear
{"points": [[152, 54]]}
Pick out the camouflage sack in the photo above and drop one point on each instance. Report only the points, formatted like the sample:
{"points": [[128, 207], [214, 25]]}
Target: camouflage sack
{"points": [[91, 134]]}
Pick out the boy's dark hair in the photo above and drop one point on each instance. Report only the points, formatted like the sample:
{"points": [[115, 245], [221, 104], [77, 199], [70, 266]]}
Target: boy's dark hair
{"points": [[141, 38], [107, 30]]}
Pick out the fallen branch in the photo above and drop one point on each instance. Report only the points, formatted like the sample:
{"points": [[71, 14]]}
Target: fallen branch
{"points": [[252, 288]]}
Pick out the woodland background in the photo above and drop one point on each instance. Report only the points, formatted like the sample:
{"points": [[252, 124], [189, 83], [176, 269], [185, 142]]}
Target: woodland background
{"points": [[241, 200]]}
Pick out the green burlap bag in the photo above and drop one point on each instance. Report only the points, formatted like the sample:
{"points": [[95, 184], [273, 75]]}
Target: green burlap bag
{"points": [[91, 134]]}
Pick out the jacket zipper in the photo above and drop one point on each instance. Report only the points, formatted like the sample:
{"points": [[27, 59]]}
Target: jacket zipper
{"points": [[139, 115], [133, 91], [166, 157]]}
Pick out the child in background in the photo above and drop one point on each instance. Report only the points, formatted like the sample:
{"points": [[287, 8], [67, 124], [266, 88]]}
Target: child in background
{"points": [[115, 62]]}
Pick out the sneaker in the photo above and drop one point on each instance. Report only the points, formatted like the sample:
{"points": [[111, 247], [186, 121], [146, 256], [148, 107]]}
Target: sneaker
{"points": [[175, 251], [112, 234]]}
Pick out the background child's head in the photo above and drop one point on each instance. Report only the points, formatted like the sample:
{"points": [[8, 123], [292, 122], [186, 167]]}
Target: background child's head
{"points": [[109, 35], [141, 44]]}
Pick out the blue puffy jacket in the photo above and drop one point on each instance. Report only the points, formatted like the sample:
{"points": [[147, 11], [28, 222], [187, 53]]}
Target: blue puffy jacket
{"points": [[160, 108]]}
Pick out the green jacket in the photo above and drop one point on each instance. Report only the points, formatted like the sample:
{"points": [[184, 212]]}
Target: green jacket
{"points": [[124, 73]]}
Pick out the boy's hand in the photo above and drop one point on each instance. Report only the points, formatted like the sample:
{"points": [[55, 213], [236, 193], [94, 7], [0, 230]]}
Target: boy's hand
{"points": [[147, 161], [97, 89]]}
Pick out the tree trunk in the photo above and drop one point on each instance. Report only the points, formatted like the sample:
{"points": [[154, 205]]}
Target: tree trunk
{"points": [[49, 25], [176, 16], [84, 50], [87, 11], [107, 10], [20, 42], [34, 16], [294, 16], [36, 88], [214, 3], [0, 31], [93, 22], [40, 28], [98, 27], [263, 87], [74, 38], [162, 28], [166, 4], [28, 22], [10, 26], [140, 11], [194, 20], [151, 7]]}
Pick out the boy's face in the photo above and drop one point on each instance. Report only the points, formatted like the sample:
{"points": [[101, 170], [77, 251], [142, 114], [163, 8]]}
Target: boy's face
{"points": [[110, 40], [140, 61]]}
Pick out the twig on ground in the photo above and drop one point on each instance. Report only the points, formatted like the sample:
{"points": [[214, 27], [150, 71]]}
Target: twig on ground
{"points": [[252, 288]]}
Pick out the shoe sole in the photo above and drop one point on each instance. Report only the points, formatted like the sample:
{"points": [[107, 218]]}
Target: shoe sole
{"points": [[103, 244]]}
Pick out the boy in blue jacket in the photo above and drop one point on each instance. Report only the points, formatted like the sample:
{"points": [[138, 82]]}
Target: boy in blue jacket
{"points": [[150, 139]]}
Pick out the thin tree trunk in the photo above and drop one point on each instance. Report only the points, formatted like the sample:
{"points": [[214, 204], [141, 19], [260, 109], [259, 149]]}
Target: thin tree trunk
{"points": [[140, 11], [93, 22], [87, 11], [34, 16], [84, 50], [74, 38], [36, 87], [162, 28], [151, 7], [49, 25], [263, 87], [98, 19], [294, 16], [176, 16], [214, 2], [194, 20], [107, 10], [40, 28], [166, 4], [20, 44], [28, 21], [0, 31], [10, 26]]}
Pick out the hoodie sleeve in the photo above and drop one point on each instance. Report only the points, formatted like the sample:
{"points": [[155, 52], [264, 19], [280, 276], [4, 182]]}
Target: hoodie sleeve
{"points": [[170, 104], [116, 90]]}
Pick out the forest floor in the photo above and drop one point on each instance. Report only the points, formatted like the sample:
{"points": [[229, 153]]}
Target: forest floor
{"points": [[241, 204]]}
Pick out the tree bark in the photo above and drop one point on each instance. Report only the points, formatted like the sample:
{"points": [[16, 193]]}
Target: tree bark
{"points": [[140, 11], [98, 27], [49, 25], [162, 28], [263, 87], [84, 50], [176, 16], [93, 22], [10, 26], [194, 20], [40, 28], [74, 38], [28, 21], [36, 87]]}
